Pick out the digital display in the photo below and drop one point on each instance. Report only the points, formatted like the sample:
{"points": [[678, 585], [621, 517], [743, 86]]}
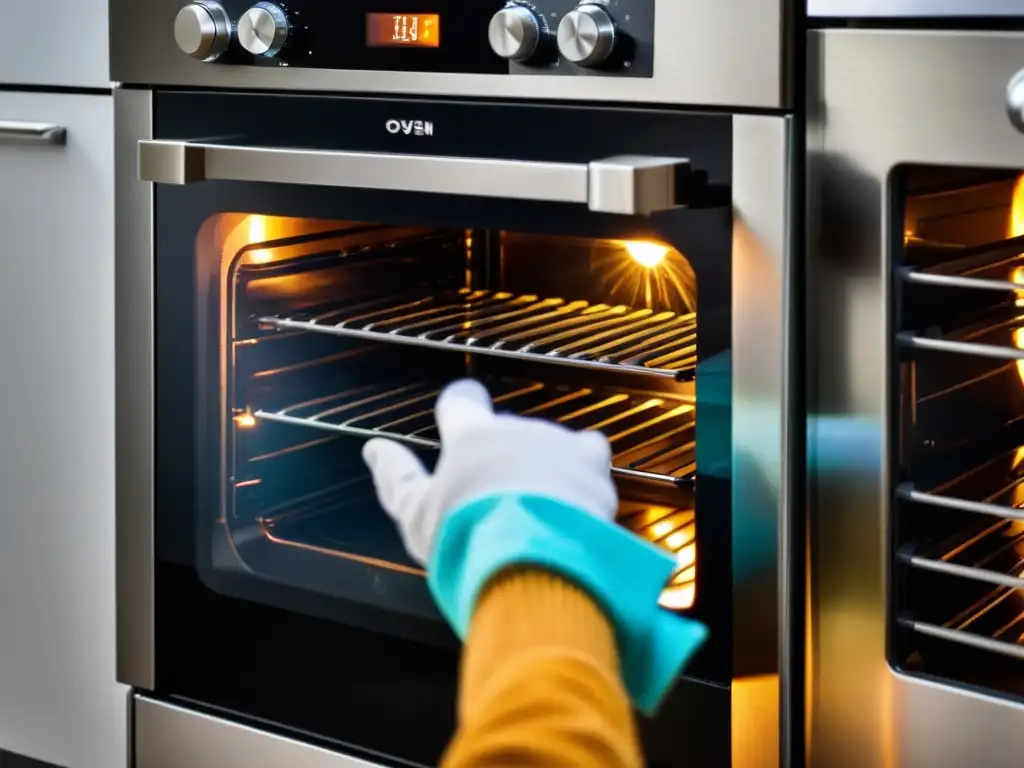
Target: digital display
{"points": [[403, 30]]}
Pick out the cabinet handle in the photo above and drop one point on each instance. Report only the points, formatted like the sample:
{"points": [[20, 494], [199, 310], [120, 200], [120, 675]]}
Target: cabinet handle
{"points": [[31, 132]]}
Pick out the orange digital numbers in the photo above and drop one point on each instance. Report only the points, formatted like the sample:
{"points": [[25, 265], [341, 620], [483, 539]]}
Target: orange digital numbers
{"points": [[403, 30]]}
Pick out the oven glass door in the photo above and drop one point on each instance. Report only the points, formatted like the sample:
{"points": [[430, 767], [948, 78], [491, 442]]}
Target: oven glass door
{"points": [[296, 317]]}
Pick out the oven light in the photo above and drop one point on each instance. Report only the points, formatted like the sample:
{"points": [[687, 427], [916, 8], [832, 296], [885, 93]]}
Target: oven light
{"points": [[646, 253], [258, 234], [245, 420]]}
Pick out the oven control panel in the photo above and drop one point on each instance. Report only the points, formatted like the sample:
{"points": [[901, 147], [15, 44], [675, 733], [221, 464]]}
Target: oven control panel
{"points": [[610, 38]]}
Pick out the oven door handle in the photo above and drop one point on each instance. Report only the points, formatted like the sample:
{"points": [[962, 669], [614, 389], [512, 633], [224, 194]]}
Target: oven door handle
{"points": [[627, 184]]}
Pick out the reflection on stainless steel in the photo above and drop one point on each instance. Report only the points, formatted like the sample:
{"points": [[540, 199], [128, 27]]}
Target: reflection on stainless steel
{"points": [[169, 736], [932, 98], [652, 437], [572, 333], [762, 407], [135, 428], [914, 8], [740, 50]]}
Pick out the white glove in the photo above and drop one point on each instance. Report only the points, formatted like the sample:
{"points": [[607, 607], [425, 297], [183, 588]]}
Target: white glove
{"points": [[485, 454]]}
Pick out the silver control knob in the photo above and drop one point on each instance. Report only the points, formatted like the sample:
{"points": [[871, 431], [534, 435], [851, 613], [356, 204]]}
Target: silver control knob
{"points": [[202, 30], [586, 35], [1015, 100], [263, 30], [514, 33]]}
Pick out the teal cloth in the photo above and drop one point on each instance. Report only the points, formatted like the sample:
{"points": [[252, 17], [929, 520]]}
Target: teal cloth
{"points": [[623, 573]]}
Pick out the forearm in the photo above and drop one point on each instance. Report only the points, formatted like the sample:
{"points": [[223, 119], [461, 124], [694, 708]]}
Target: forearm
{"points": [[540, 682]]}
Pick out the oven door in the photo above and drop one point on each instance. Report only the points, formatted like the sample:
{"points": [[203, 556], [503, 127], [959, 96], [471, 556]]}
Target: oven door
{"points": [[916, 398], [281, 303]]}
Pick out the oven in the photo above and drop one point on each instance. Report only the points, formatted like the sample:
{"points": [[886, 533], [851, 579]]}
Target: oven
{"points": [[917, 204], [325, 214]]}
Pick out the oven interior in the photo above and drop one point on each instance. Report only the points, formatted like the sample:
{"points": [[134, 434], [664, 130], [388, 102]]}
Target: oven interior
{"points": [[335, 331], [958, 426]]}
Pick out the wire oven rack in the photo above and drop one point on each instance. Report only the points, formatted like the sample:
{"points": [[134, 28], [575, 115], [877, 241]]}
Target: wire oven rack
{"points": [[319, 522], [652, 437], [994, 624], [572, 333], [987, 549]]}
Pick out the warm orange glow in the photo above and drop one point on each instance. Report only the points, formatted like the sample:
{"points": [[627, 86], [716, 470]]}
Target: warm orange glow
{"points": [[686, 557], [1017, 276], [645, 253], [1018, 490], [403, 30], [257, 234], [245, 420], [648, 274], [1018, 342], [678, 597], [1015, 227], [673, 530]]}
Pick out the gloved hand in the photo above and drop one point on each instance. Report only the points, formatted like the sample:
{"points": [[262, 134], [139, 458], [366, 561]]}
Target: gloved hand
{"points": [[509, 491], [484, 454]]}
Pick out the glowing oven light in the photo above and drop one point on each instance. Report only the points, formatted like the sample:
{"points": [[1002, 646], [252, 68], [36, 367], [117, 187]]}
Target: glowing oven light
{"points": [[258, 234], [646, 253], [245, 420], [1015, 228]]}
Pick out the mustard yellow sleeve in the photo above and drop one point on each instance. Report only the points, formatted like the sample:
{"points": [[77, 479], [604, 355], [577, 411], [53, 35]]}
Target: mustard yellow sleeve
{"points": [[540, 683]]}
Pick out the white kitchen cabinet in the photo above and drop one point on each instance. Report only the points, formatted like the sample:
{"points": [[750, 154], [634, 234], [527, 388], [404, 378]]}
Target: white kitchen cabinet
{"points": [[59, 701], [54, 42]]}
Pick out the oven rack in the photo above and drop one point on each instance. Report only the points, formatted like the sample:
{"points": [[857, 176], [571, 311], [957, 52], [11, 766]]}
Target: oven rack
{"points": [[968, 279], [289, 523], [652, 436], [500, 324], [985, 503], [992, 553], [994, 624]]}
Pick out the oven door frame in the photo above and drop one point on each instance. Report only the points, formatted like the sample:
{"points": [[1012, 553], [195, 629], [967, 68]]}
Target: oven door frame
{"points": [[928, 98], [764, 406]]}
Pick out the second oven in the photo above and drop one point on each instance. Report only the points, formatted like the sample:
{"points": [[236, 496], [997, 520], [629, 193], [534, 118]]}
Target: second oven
{"points": [[319, 267]]}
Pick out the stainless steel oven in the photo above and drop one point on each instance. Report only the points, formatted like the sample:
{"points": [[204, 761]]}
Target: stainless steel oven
{"points": [[325, 212], [916, 157]]}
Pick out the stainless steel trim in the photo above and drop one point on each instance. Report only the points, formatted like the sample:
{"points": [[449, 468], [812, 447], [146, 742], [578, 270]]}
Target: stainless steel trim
{"points": [[167, 736], [762, 189], [133, 243], [914, 8], [30, 132], [628, 184], [878, 99], [705, 53], [632, 184]]}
